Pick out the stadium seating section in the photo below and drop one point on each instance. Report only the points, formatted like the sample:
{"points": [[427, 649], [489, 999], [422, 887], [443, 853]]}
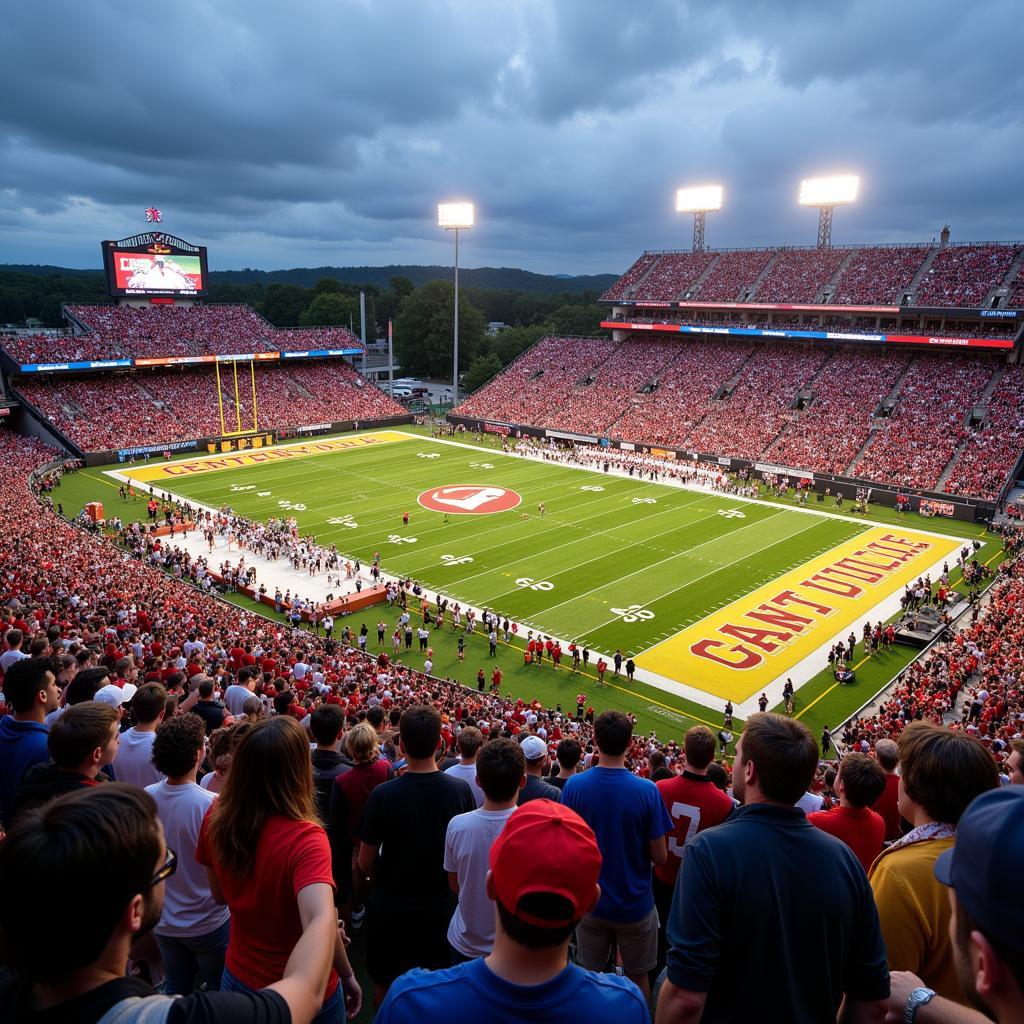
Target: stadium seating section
{"points": [[809, 408], [152, 331], [958, 276], [159, 406]]}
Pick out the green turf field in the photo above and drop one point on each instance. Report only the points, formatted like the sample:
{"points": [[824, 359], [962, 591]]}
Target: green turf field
{"points": [[613, 563]]}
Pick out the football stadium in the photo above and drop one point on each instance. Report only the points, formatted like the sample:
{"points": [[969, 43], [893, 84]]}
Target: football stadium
{"points": [[767, 515]]}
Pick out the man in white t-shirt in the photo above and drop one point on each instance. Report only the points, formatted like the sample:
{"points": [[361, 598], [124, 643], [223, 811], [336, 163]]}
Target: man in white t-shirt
{"points": [[14, 639], [239, 692], [469, 742], [193, 929], [501, 771], [134, 761]]}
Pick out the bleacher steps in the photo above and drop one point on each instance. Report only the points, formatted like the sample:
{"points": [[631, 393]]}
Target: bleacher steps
{"points": [[694, 290], [863, 448], [751, 289], [915, 283], [1002, 290], [636, 285], [829, 289], [948, 471]]}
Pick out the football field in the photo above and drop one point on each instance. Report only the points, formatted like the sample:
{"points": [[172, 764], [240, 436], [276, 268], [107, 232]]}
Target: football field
{"points": [[716, 596]]}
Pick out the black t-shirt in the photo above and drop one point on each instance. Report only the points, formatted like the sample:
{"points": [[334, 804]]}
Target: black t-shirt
{"points": [[263, 1007], [211, 712], [407, 819], [538, 789]]}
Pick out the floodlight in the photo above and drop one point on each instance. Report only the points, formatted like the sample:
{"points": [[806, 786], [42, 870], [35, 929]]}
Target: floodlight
{"points": [[699, 199], [455, 215], [829, 191]]}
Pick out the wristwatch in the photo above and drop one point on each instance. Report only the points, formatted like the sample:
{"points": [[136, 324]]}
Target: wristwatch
{"points": [[918, 998]]}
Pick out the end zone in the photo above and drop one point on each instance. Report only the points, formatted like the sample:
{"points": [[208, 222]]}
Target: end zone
{"points": [[166, 471], [740, 649]]}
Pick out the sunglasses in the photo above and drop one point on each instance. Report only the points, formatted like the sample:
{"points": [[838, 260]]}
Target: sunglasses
{"points": [[170, 866]]}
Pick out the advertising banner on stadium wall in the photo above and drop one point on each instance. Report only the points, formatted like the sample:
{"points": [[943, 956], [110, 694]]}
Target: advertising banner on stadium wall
{"points": [[767, 467], [930, 507], [86, 364], [172, 360], [582, 438], [795, 335], [320, 353]]}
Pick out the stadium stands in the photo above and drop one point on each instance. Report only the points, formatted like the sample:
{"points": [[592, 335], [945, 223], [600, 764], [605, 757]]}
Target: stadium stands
{"points": [[992, 451], [156, 407], [672, 275], [963, 275], [153, 331], [829, 434], [735, 272], [798, 275], [623, 288], [745, 424], [681, 398], [917, 442], [538, 380], [879, 275]]}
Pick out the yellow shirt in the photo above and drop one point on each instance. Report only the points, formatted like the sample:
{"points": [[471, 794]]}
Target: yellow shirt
{"points": [[913, 908]]}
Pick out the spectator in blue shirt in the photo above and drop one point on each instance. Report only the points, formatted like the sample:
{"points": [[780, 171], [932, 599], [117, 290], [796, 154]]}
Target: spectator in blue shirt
{"points": [[31, 691], [543, 875], [770, 914], [629, 819]]}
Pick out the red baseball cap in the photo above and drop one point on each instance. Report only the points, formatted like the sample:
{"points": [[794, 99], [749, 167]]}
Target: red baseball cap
{"points": [[546, 848]]}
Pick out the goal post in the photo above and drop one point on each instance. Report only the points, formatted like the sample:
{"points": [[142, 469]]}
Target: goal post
{"points": [[239, 428]]}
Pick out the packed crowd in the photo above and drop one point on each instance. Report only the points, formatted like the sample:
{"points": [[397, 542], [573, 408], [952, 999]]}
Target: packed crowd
{"points": [[666, 414], [733, 275], [960, 276], [672, 276], [657, 392], [921, 436], [139, 332], [994, 448], [879, 275], [160, 406], [759, 405], [829, 433], [539, 824], [798, 275], [963, 275]]}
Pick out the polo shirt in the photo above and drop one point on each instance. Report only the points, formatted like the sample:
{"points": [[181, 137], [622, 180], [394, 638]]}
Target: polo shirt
{"points": [[774, 907]]}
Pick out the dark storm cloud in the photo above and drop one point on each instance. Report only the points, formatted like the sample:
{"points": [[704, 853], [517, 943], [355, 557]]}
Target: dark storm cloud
{"points": [[327, 130]]}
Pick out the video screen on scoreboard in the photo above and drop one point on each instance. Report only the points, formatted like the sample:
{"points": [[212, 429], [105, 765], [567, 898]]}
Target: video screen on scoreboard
{"points": [[155, 269]]}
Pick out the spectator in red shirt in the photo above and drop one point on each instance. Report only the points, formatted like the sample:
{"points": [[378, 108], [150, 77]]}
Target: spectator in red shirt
{"points": [[888, 756], [269, 860], [861, 782], [694, 803]]}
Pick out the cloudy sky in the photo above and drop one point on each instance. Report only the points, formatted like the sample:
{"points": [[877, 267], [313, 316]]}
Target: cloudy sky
{"points": [[325, 131]]}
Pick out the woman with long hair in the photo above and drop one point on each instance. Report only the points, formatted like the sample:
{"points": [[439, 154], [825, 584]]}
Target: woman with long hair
{"points": [[268, 858]]}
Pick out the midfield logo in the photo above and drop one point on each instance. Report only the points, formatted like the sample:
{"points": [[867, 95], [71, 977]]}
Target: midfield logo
{"points": [[469, 499]]}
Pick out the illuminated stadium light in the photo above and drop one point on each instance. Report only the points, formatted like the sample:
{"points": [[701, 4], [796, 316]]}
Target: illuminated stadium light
{"points": [[829, 191], [699, 199], [826, 194], [453, 216]]}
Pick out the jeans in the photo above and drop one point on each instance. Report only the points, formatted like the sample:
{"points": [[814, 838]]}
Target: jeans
{"points": [[184, 958], [332, 1012]]}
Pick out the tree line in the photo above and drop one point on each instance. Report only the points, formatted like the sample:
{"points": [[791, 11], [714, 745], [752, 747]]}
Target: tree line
{"points": [[422, 316]]}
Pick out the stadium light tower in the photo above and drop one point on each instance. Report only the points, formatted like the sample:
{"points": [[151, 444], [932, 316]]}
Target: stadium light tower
{"points": [[699, 200], [453, 217], [826, 194]]}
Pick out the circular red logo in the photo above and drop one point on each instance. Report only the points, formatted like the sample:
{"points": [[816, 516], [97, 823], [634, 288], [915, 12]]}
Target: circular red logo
{"points": [[469, 499]]}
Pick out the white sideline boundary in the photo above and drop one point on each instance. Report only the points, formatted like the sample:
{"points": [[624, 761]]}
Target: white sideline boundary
{"points": [[275, 574]]}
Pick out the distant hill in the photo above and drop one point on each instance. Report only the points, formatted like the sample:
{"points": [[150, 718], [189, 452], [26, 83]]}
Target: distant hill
{"points": [[480, 277]]}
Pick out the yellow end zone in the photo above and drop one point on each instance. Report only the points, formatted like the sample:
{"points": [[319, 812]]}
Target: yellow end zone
{"points": [[280, 453], [738, 650]]}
